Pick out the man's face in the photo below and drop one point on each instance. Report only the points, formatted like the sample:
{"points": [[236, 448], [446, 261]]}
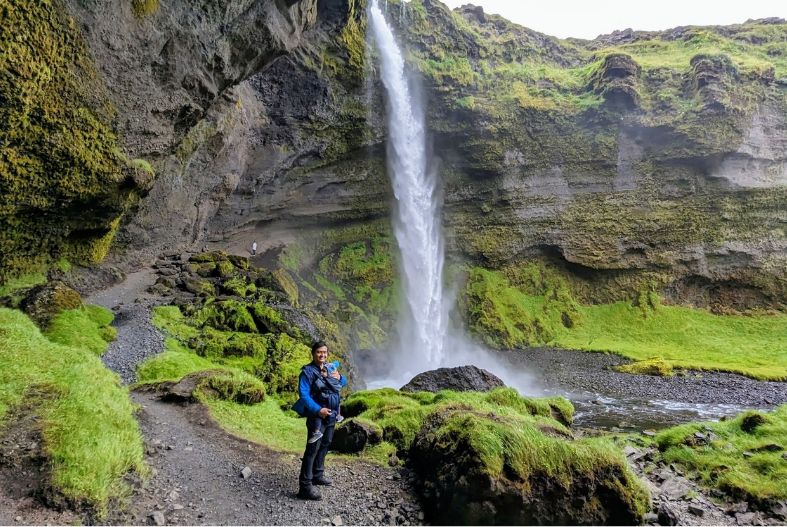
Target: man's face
{"points": [[320, 355]]}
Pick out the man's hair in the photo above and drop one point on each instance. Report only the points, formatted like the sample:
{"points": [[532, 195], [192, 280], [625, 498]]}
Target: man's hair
{"points": [[317, 345]]}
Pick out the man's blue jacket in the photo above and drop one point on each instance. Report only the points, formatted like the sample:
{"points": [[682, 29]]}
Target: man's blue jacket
{"points": [[316, 392]]}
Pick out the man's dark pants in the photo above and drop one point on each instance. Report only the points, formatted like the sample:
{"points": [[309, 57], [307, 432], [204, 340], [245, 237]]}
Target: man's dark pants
{"points": [[313, 464]]}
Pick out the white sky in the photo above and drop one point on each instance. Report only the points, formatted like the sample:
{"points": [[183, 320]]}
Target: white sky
{"points": [[590, 18]]}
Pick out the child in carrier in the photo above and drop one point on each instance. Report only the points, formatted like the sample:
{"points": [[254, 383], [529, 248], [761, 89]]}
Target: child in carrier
{"points": [[334, 384]]}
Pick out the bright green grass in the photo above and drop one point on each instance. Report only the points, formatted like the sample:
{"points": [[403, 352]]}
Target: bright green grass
{"points": [[721, 464], [86, 327], [21, 282], [401, 414], [89, 430], [684, 338]]}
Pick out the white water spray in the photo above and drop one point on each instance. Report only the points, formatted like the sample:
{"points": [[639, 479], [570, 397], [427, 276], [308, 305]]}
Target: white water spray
{"points": [[416, 223], [423, 323]]}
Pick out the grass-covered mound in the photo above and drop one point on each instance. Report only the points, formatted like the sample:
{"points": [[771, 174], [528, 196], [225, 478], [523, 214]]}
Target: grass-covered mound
{"points": [[401, 414], [89, 433], [492, 468], [743, 457], [500, 458], [533, 305]]}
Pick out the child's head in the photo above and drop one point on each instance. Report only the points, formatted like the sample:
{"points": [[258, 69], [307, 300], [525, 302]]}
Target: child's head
{"points": [[332, 366]]}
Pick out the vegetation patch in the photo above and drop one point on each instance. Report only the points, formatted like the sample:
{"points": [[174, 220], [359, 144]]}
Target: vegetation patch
{"points": [[743, 457], [62, 172], [401, 414], [87, 327], [655, 366], [527, 305], [90, 435], [471, 458]]}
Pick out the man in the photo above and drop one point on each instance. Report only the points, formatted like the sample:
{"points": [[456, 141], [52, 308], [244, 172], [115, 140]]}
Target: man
{"points": [[321, 401]]}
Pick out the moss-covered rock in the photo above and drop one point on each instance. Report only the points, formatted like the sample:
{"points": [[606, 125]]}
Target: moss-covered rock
{"points": [[44, 302], [64, 182], [480, 467]]}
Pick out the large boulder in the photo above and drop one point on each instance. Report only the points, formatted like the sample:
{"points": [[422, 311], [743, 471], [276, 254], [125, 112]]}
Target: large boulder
{"points": [[480, 467], [459, 379]]}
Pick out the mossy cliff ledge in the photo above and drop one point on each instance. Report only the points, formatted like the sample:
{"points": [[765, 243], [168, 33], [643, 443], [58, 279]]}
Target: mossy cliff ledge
{"points": [[632, 154]]}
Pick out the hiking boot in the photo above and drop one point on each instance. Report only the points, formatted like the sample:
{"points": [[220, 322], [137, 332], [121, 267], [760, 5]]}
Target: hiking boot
{"points": [[339, 418], [309, 493], [316, 436], [322, 481]]}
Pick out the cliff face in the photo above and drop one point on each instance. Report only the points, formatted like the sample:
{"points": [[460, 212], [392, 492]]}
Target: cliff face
{"points": [[636, 158]]}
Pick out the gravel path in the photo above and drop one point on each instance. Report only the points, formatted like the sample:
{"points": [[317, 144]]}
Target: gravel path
{"points": [[197, 479], [137, 338]]}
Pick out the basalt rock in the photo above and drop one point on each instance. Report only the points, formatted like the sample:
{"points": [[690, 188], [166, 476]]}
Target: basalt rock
{"points": [[460, 379], [465, 481], [353, 435]]}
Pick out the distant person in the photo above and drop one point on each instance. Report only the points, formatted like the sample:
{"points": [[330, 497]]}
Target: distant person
{"points": [[254, 249], [319, 401]]}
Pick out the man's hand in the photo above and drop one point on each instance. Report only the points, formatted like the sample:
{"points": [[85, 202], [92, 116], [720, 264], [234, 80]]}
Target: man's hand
{"points": [[335, 375], [325, 412]]}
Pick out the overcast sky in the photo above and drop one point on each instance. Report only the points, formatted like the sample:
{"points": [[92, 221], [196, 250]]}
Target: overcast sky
{"points": [[590, 18]]}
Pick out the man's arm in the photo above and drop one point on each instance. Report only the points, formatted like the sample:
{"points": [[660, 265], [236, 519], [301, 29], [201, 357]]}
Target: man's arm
{"points": [[304, 390]]}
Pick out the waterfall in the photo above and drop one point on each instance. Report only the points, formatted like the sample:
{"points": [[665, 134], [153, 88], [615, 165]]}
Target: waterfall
{"points": [[416, 217]]}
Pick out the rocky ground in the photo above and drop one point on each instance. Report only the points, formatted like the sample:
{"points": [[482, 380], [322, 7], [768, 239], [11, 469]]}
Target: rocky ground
{"points": [[198, 478]]}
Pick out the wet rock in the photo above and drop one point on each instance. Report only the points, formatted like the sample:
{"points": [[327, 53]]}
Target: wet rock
{"points": [[353, 435], [668, 515], [460, 379]]}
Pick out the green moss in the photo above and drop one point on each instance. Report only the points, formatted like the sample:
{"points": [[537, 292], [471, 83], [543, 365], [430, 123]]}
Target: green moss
{"points": [[288, 285], [85, 328], [144, 8], [61, 170], [401, 414], [234, 386], [656, 366], [239, 285], [21, 282], [226, 314], [532, 304], [91, 438], [513, 448], [743, 458]]}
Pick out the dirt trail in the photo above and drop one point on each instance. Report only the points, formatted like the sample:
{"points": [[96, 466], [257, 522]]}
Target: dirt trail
{"points": [[198, 478]]}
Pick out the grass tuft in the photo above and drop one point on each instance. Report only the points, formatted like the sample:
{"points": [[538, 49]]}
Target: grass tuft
{"points": [[743, 457], [89, 431], [86, 327]]}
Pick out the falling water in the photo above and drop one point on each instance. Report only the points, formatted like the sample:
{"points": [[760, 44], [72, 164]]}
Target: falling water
{"points": [[423, 321]]}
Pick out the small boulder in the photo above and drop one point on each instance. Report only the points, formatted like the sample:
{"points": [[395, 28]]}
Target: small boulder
{"points": [[245, 473], [667, 515], [354, 434], [695, 510], [459, 379], [45, 301], [157, 518]]}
